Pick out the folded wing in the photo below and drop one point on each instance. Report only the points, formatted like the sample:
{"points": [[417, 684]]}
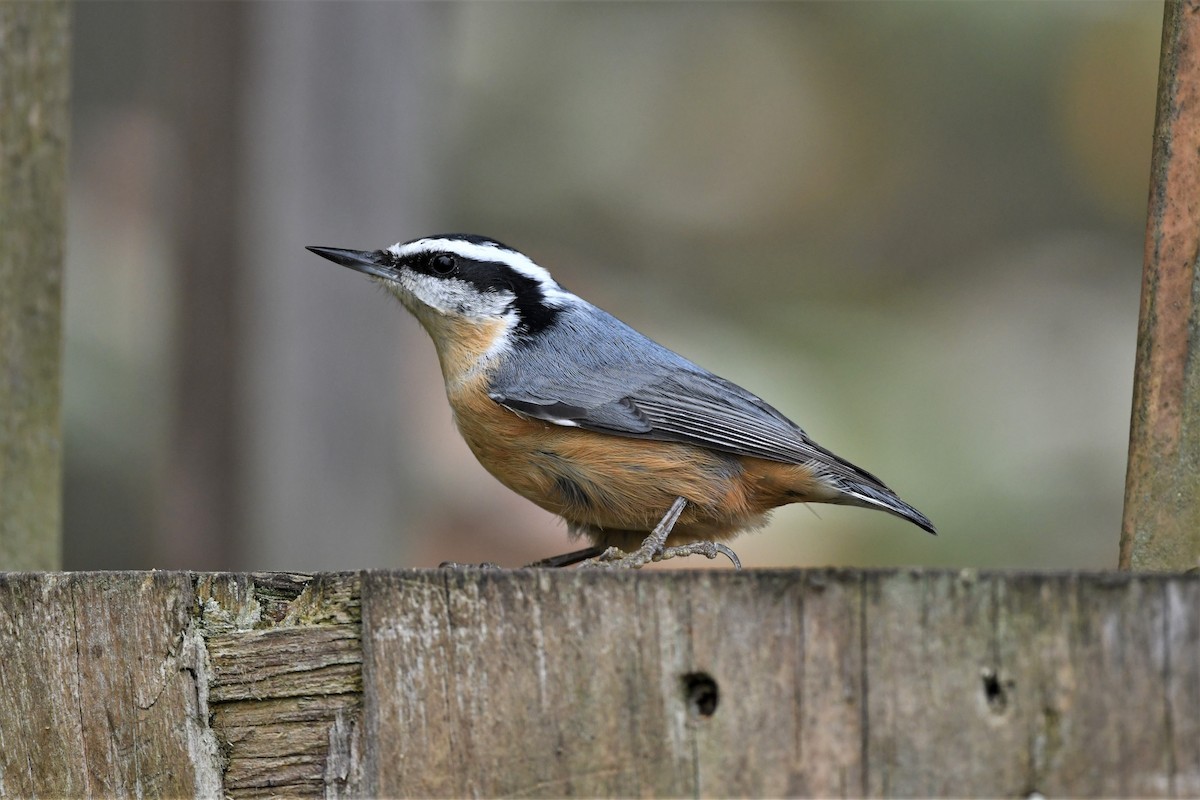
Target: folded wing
{"points": [[602, 375]]}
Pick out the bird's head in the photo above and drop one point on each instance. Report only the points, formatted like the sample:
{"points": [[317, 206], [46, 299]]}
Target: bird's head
{"points": [[474, 295]]}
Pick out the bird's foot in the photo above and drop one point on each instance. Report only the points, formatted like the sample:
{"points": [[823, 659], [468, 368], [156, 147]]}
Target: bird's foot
{"points": [[707, 549], [615, 558], [654, 547]]}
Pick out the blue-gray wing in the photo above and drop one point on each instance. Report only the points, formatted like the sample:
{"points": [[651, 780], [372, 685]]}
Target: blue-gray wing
{"points": [[599, 374]]}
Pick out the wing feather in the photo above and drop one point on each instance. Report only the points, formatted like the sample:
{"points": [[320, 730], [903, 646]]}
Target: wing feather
{"points": [[599, 374]]}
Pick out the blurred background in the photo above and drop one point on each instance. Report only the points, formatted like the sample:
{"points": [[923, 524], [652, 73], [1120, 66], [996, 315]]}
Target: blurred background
{"points": [[915, 228]]}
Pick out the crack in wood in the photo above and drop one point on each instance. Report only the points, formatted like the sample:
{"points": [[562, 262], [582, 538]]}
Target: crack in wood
{"points": [[1102, 694], [285, 686]]}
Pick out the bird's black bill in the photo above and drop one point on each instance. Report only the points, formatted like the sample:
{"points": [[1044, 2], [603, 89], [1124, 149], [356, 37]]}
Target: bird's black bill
{"points": [[360, 260]]}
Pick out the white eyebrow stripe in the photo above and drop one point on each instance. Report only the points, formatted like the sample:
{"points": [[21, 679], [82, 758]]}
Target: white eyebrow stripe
{"points": [[519, 262]]}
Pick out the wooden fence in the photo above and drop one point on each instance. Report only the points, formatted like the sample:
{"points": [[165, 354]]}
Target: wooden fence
{"points": [[557, 684]]}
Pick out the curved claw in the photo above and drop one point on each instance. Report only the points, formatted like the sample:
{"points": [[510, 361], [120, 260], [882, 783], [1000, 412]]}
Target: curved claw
{"points": [[706, 549], [732, 556]]}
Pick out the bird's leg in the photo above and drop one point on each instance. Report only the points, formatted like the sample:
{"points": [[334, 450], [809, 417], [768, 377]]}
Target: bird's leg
{"points": [[567, 559], [654, 546], [657, 540], [614, 557]]}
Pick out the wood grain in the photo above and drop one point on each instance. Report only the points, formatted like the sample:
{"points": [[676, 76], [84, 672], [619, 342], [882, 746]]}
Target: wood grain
{"points": [[545, 683], [906, 683], [1160, 529], [99, 687], [285, 688]]}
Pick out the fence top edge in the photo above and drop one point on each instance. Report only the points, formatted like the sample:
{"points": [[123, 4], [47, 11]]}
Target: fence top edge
{"points": [[806, 574]]}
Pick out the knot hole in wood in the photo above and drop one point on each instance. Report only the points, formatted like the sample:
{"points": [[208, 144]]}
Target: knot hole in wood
{"points": [[701, 693]]}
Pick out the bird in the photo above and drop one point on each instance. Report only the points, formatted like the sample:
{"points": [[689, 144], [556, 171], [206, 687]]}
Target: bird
{"points": [[643, 453]]}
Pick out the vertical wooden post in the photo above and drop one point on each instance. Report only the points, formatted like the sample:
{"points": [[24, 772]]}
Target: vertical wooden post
{"points": [[34, 38], [1161, 526]]}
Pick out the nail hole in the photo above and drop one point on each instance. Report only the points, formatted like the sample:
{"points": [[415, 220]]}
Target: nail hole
{"points": [[995, 691], [701, 693]]}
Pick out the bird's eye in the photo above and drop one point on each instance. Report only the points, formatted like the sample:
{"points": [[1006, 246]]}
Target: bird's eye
{"points": [[442, 264]]}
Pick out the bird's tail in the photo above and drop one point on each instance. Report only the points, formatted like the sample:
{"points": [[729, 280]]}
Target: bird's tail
{"points": [[879, 496], [857, 487]]}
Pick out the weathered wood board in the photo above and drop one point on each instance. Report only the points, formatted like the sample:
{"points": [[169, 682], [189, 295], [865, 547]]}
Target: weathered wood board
{"points": [[1160, 529], [35, 78], [99, 687], [552, 684]]}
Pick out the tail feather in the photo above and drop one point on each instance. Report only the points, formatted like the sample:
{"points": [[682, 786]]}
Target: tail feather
{"points": [[884, 499], [858, 487]]}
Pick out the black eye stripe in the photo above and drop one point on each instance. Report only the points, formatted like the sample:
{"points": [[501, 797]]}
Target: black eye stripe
{"points": [[493, 277]]}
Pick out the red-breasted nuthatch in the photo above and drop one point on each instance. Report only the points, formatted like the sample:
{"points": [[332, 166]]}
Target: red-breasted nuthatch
{"points": [[575, 410]]}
